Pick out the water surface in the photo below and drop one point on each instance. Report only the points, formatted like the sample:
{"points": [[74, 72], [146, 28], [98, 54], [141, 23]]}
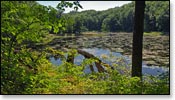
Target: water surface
{"points": [[110, 58]]}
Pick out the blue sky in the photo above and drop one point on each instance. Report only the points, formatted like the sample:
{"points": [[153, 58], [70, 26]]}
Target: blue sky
{"points": [[88, 5]]}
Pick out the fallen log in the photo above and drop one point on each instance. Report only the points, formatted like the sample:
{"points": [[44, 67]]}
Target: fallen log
{"points": [[98, 64], [88, 55]]}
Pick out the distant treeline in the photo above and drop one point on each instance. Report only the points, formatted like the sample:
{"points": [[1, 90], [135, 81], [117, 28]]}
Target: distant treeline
{"points": [[120, 19]]}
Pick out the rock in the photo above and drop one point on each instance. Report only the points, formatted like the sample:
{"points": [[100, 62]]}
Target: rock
{"points": [[119, 50]]}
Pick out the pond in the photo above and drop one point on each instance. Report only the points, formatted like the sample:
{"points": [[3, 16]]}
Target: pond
{"points": [[155, 48], [112, 58]]}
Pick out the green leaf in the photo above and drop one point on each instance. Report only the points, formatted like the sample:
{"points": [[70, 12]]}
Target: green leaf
{"points": [[76, 8], [56, 29], [59, 25], [13, 33], [70, 5], [80, 6]]}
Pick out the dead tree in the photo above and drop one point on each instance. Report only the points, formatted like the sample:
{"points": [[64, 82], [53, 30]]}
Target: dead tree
{"points": [[99, 64], [88, 55]]}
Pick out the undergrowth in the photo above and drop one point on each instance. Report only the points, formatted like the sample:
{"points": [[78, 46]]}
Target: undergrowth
{"points": [[69, 78]]}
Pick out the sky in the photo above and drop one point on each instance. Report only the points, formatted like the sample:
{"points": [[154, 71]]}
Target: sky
{"points": [[89, 5]]}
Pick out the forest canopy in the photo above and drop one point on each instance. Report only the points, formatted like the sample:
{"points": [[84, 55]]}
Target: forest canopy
{"points": [[120, 19]]}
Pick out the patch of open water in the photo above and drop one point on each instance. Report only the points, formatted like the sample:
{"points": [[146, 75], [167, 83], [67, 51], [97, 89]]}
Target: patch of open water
{"points": [[110, 58]]}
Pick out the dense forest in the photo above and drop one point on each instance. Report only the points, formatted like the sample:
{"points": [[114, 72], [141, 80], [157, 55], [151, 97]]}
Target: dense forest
{"points": [[120, 19], [27, 70]]}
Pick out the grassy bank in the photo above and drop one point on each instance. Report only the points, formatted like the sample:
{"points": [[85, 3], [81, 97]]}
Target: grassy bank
{"points": [[153, 33]]}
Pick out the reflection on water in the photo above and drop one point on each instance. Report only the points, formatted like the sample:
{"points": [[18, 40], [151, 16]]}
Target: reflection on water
{"points": [[55, 61], [110, 58]]}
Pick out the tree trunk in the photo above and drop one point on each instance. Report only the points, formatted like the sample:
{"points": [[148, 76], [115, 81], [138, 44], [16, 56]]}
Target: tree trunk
{"points": [[88, 55], [137, 39], [70, 58]]}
